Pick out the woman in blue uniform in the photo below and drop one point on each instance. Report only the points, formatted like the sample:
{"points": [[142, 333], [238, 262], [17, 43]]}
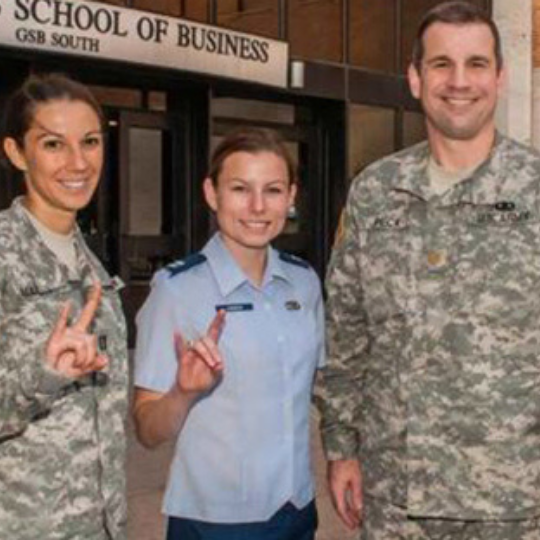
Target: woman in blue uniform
{"points": [[228, 344]]}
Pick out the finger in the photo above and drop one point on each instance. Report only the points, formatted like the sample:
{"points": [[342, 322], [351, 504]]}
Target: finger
{"points": [[339, 490], [80, 348], [338, 498], [356, 498], [61, 322], [89, 310], [90, 342], [213, 349], [204, 353], [64, 347], [216, 326], [179, 345], [100, 362]]}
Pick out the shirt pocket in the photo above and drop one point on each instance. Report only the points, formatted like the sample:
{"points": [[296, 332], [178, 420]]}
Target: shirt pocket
{"points": [[498, 268]]}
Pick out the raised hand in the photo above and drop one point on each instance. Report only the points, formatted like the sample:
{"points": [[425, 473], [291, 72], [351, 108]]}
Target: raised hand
{"points": [[200, 364], [72, 350]]}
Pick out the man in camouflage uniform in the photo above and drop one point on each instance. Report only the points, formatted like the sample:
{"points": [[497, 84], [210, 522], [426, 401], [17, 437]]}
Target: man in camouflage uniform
{"points": [[430, 400], [61, 439]]}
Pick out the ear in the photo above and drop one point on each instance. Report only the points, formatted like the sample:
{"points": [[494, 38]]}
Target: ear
{"points": [[415, 83], [15, 154], [210, 194], [293, 190], [502, 81]]}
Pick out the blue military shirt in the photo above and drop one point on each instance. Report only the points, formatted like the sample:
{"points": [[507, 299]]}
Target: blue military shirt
{"points": [[244, 449]]}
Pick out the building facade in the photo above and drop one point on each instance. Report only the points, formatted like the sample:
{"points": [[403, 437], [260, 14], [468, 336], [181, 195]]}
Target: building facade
{"points": [[327, 74]]}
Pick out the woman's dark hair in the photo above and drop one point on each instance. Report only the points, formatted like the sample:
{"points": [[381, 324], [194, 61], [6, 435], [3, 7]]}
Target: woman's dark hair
{"points": [[253, 141], [36, 90], [459, 13]]}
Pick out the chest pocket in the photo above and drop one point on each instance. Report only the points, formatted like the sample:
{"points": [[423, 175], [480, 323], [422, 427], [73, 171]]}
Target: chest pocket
{"points": [[499, 259], [387, 261]]}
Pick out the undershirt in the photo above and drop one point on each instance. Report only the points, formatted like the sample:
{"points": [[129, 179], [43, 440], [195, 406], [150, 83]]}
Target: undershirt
{"points": [[62, 245], [441, 179]]}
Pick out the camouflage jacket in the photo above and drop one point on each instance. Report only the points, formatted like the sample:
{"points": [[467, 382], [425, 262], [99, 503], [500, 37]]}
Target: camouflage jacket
{"points": [[62, 443], [433, 374]]}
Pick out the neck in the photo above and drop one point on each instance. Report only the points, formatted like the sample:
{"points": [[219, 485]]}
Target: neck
{"points": [[56, 220], [252, 261], [455, 155]]}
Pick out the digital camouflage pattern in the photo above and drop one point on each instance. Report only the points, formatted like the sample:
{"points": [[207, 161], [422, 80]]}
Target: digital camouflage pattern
{"points": [[62, 446], [386, 522], [433, 369]]}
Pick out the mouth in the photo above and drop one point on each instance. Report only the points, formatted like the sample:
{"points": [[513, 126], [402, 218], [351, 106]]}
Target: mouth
{"points": [[255, 225], [74, 185], [459, 102]]}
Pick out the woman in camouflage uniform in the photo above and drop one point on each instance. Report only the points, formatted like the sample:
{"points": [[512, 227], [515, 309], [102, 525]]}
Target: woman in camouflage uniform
{"points": [[63, 363]]}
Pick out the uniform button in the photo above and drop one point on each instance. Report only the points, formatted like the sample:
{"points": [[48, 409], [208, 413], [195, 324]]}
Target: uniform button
{"points": [[267, 306]]}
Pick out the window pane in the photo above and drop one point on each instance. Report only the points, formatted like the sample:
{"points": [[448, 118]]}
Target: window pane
{"points": [[145, 179], [253, 16], [157, 101], [414, 128], [117, 97], [196, 10], [371, 136], [167, 7], [262, 111], [373, 34], [315, 29]]}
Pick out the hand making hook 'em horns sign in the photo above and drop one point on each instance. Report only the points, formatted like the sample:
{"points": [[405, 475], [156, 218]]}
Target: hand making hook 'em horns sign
{"points": [[200, 363], [72, 350]]}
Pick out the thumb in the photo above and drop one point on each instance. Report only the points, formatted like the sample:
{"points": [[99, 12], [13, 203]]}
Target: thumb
{"points": [[178, 345]]}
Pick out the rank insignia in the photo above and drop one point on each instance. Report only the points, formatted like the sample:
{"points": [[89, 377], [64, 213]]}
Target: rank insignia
{"points": [[437, 259]]}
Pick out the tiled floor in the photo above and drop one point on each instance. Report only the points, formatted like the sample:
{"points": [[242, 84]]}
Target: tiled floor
{"points": [[147, 471]]}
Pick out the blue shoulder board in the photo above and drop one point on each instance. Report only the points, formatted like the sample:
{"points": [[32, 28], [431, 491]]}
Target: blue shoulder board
{"points": [[178, 267], [293, 259]]}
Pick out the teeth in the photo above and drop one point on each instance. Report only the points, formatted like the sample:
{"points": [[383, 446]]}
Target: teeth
{"points": [[74, 185], [457, 101]]}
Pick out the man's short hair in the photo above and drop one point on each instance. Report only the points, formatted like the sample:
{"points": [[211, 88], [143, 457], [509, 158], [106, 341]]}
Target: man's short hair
{"points": [[459, 13]]}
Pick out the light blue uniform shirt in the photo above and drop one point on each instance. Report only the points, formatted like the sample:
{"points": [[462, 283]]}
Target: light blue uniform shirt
{"points": [[244, 449]]}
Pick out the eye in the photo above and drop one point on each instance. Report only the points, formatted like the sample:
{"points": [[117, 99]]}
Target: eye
{"points": [[479, 64], [275, 190], [238, 188], [440, 64], [53, 144], [92, 141]]}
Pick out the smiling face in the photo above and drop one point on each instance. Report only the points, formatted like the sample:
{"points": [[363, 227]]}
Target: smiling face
{"points": [[61, 158], [251, 200], [458, 82]]}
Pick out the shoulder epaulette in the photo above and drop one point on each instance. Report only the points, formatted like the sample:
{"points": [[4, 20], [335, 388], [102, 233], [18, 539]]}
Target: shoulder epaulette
{"points": [[293, 259], [178, 267]]}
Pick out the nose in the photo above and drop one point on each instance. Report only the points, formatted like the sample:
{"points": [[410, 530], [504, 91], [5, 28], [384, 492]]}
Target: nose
{"points": [[459, 77], [257, 202], [77, 158]]}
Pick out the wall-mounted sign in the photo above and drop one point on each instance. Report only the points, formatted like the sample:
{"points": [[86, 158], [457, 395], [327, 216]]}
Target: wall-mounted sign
{"points": [[93, 29]]}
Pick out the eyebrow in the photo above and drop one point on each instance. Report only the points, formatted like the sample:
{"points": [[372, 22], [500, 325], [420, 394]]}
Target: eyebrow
{"points": [[446, 58], [49, 132]]}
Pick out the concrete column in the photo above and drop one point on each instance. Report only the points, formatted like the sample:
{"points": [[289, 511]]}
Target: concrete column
{"points": [[515, 22]]}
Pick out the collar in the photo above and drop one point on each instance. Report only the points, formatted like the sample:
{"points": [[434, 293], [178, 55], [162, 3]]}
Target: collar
{"points": [[228, 274], [36, 248], [413, 176]]}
